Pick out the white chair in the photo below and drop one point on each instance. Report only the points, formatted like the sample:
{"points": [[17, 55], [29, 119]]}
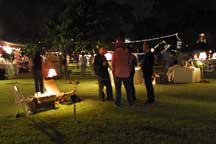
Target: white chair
{"points": [[21, 102]]}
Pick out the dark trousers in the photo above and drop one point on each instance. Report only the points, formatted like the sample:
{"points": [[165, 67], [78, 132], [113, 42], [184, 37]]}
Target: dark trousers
{"points": [[149, 87], [132, 85], [107, 83], [127, 85], [2, 74], [38, 79]]}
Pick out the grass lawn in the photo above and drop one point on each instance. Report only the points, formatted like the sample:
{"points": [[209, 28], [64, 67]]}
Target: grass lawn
{"points": [[184, 113]]}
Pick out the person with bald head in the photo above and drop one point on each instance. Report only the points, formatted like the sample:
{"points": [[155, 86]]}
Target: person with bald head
{"points": [[121, 72]]}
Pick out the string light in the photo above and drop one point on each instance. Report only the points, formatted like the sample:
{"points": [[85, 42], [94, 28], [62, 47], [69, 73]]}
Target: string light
{"points": [[156, 38]]}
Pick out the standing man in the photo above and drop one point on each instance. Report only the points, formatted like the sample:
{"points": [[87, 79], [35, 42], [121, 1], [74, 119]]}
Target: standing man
{"points": [[83, 63], [121, 72], [37, 72], [91, 61], [133, 64], [147, 67], [101, 70]]}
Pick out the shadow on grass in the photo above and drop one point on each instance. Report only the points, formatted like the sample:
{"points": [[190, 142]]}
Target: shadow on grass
{"points": [[49, 130]]}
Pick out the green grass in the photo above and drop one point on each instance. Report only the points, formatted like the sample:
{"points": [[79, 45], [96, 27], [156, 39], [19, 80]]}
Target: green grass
{"points": [[184, 113]]}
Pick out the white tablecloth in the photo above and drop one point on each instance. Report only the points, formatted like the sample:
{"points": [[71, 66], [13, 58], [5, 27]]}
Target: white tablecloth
{"points": [[138, 76], [187, 75]]}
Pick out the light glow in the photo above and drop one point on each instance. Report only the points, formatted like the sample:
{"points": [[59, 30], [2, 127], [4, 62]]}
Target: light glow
{"points": [[52, 73], [7, 49], [127, 40], [202, 34], [108, 56], [214, 55], [154, 81], [202, 56]]}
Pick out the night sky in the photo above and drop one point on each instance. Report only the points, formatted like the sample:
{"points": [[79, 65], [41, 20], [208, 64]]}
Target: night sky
{"points": [[17, 17], [23, 17]]}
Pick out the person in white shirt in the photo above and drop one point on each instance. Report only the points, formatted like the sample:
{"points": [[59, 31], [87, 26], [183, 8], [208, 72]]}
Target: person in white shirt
{"points": [[83, 63], [91, 61]]}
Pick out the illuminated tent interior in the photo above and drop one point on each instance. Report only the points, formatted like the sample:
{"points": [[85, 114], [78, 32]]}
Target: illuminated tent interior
{"points": [[8, 48]]}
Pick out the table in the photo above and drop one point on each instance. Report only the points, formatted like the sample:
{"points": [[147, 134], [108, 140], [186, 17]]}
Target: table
{"points": [[138, 76]]}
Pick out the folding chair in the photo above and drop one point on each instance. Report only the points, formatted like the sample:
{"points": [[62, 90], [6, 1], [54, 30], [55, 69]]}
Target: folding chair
{"points": [[21, 102], [52, 88]]}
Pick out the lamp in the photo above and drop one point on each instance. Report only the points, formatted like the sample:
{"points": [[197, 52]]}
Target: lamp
{"points": [[108, 56], [52, 73], [202, 56]]}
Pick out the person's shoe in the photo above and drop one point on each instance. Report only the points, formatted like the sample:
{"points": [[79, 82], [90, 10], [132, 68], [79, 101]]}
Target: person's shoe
{"points": [[149, 102], [101, 99], [131, 104], [134, 98], [109, 99]]}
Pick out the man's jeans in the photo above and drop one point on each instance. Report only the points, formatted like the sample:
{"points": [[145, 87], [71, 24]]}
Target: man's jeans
{"points": [[149, 88], [132, 85], [127, 85], [107, 83], [38, 79]]}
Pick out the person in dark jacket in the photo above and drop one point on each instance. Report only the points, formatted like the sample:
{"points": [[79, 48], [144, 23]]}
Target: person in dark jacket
{"points": [[147, 67], [101, 70], [37, 72], [133, 64]]}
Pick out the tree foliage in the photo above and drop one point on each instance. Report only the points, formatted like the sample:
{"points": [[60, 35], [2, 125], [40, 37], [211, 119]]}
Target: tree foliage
{"points": [[88, 22]]}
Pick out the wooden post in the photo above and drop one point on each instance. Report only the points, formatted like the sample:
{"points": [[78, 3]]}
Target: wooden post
{"points": [[74, 112]]}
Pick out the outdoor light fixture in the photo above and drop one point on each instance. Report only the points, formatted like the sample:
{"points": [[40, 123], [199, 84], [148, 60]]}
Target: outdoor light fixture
{"points": [[52, 73], [127, 40], [202, 56], [108, 56], [202, 34], [214, 56], [202, 38], [7, 49]]}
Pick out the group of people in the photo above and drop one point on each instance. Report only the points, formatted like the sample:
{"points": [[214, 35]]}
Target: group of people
{"points": [[123, 65]]}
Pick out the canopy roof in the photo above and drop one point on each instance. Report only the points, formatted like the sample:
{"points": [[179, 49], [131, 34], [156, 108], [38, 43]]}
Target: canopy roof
{"points": [[10, 44]]}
